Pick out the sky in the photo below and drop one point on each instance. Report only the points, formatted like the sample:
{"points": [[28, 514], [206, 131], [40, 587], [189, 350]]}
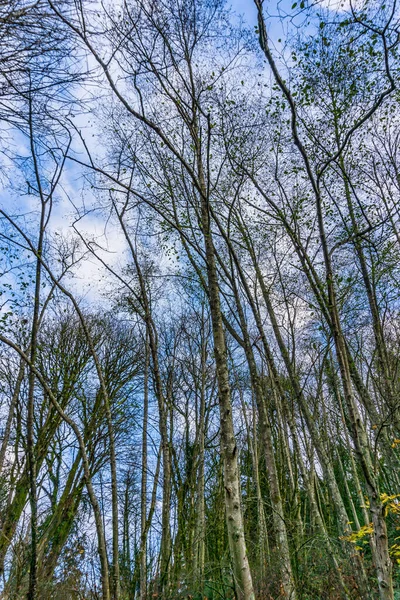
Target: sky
{"points": [[247, 9], [90, 272]]}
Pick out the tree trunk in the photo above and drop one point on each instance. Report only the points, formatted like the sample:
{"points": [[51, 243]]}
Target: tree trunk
{"points": [[234, 518]]}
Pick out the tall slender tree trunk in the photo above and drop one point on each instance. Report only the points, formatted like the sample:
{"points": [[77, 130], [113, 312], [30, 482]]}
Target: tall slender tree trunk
{"points": [[199, 550], [10, 417], [143, 495], [234, 517], [30, 417], [146, 314], [263, 552], [287, 579]]}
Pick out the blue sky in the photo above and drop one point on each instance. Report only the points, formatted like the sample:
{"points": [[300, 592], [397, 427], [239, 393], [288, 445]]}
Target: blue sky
{"points": [[247, 8]]}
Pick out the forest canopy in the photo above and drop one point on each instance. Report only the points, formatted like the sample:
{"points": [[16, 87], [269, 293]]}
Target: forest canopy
{"points": [[199, 300]]}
